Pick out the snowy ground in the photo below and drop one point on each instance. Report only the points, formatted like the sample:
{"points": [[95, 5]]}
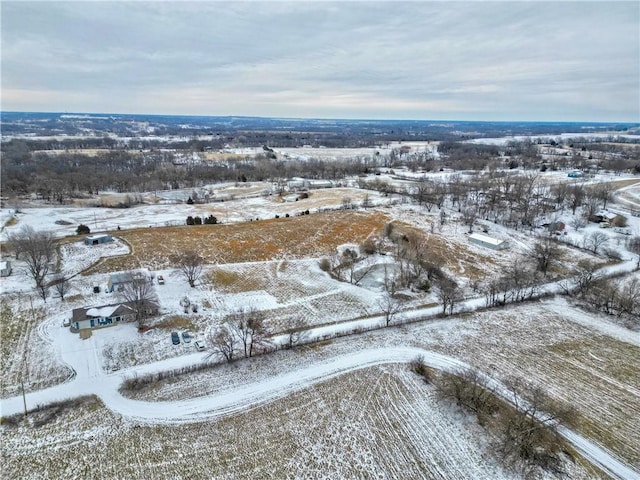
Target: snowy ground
{"points": [[582, 358]]}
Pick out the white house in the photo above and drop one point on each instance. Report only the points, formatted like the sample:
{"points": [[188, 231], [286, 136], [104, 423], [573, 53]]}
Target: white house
{"points": [[489, 242]]}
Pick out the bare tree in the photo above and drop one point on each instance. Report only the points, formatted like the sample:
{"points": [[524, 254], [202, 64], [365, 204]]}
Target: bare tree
{"points": [[529, 431], [38, 251], [223, 342], [595, 240], [190, 266], [469, 216], [61, 286], [248, 325], [139, 293], [586, 275], [545, 253], [633, 245], [469, 389], [449, 293], [390, 307], [576, 197], [298, 333]]}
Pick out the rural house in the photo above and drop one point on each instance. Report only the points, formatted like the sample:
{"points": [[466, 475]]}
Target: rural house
{"points": [[106, 315], [489, 242], [98, 239], [103, 316]]}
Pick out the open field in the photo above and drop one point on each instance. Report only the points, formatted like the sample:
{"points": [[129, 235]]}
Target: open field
{"points": [[294, 237], [577, 363], [380, 422]]}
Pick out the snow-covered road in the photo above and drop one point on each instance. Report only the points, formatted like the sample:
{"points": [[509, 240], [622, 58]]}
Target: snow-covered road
{"points": [[245, 397], [90, 379]]}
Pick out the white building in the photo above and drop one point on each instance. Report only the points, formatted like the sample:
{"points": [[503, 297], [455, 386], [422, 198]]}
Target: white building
{"points": [[489, 242]]}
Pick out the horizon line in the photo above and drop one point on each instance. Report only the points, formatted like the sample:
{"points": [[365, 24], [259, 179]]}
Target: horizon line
{"points": [[633, 122]]}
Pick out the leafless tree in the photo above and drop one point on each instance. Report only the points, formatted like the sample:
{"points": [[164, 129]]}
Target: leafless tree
{"points": [[223, 342], [469, 389], [577, 223], [604, 192], [586, 275], [390, 308], [633, 245], [529, 431], [469, 216], [595, 240], [61, 286], [190, 266], [249, 326], [298, 333], [37, 249], [139, 293], [545, 253], [449, 293], [576, 197]]}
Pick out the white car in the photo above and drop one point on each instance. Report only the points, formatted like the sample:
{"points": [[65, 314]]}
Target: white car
{"points": [[66, 322], [199, 345]]}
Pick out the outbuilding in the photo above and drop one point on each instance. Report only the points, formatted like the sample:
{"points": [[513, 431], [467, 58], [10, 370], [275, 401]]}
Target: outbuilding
{"points": [[5, 268], [98, 239], [489, 242]]}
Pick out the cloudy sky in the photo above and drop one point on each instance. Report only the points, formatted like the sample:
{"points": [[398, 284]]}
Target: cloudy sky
{"points": [[516, 60]]}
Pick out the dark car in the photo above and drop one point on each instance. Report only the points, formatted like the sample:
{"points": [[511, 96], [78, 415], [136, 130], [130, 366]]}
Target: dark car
{"points": [[175, 338]]}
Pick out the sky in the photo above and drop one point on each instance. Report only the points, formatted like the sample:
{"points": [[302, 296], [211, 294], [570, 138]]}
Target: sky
{"points": [[478, 60]]}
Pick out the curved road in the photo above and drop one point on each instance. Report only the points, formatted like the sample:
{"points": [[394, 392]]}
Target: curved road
{"points": [[249, 396]]}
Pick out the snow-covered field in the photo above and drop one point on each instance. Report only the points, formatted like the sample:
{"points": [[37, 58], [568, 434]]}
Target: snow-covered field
{"points": [[375, 420]]}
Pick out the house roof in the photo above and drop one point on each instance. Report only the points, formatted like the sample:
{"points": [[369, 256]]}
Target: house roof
{"points": [[114, 310], [485, 239], [4, 265], [98, 236]]}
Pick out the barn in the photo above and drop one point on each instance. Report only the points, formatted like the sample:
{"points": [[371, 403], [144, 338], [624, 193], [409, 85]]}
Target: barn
{"points": [[489, 242], [98, 239]]}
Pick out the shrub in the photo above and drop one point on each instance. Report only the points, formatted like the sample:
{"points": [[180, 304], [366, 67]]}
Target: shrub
{"points": [[82, 229], [325, 264], [620, 221], [197, 221], [190, 220]]}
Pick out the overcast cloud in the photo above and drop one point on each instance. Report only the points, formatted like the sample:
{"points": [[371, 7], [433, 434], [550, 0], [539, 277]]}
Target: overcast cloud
{"points": [[416, 60]]}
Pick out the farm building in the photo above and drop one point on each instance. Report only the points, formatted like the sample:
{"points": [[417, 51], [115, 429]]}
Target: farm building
{"points": [[117, 281], [5, 268], [105, 315], [98, 239], [488, 242]]}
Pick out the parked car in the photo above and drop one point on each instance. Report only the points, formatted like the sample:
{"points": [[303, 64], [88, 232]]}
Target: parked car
{"points": [[186, 337], [66, 322], [160, 280], [175, 338], [199, 345]]}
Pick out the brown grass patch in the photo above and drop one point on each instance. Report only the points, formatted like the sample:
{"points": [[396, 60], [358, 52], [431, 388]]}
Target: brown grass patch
{"points": [[455, 256], [295, 237], [11, 222], [176, 322]]}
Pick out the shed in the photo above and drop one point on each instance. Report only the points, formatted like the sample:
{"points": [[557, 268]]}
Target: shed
{"points": [[98, 239], [117, 281], [489, 242], [5, 268]]}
